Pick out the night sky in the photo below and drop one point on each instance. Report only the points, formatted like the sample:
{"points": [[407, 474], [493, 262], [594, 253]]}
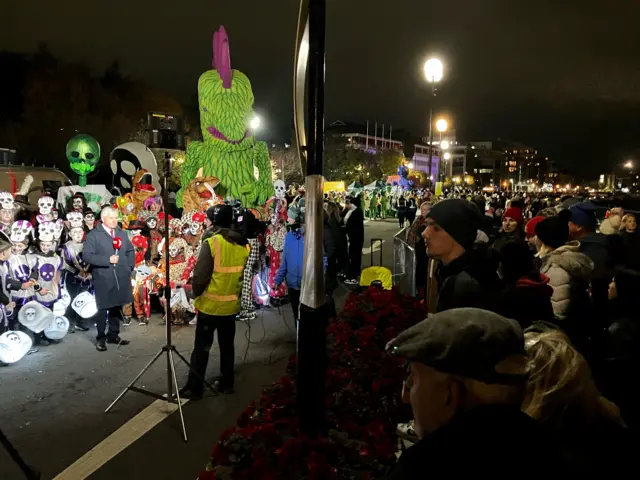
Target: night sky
{"points": [[562, 76]]}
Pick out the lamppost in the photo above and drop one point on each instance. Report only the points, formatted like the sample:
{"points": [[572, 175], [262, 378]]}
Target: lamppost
{"points": [[441, 126], [433, 71], [447, 157]]}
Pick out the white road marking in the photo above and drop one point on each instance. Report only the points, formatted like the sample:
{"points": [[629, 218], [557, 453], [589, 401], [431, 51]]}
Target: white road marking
{"points": [[122, 438]]}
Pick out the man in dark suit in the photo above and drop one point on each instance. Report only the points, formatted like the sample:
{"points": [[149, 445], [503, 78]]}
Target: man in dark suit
{"points": [[111, 273], [354, 228]]}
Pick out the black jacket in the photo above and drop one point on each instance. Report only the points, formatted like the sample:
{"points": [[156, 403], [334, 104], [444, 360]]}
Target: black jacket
{"points": [[495, 441], [527, 301], [355, 227], [334, 240], [468, 281]]}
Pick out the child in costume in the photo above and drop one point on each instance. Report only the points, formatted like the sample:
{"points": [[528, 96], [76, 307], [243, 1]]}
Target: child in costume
{"points": [[142, 285], [276, 233], [89, 219], [6, 305], [181, 263], [48, 267], [77, 275], [7, 212]]}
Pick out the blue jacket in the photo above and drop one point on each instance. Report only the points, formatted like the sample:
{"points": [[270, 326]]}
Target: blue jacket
{"points": [[292, 261]]}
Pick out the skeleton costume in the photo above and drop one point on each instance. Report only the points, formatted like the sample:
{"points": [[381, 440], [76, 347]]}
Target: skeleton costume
{"points": [[21, 266], [182, 263], [7, 212], [142, 288], [77, 276], [276, 233], [49, 266], [152, 224], [193, 227]]}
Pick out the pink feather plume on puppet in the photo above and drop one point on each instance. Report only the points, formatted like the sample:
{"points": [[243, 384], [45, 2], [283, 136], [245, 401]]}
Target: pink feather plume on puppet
{"points": [[222, 57]]}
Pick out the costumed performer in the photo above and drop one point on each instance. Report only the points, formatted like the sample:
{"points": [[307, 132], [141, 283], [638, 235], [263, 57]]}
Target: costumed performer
{"points": [[6, 304], [21, 266]]}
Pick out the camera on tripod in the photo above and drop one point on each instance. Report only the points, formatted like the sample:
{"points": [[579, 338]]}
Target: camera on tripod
{"points": [[165, 131]]}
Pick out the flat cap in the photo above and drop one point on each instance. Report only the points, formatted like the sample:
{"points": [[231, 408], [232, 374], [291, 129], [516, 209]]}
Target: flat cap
{"points": [[468, 342]]}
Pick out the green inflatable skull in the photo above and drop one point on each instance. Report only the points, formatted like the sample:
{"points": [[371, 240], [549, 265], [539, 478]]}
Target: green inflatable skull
{"points": [[83, 153]]}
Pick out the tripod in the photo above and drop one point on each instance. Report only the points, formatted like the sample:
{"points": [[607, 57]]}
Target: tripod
{"points": [[29, 473], [169, 349]]}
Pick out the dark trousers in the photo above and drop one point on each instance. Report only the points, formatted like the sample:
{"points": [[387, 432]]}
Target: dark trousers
{"points": [[355, 259], [294, 299], [331, 274], [74, 290], [114, 316], [402, 218], [205, 328]]}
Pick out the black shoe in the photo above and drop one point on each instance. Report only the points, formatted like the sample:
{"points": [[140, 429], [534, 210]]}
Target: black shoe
{"points": [[224, 389], [126, 321], [82, 328], [118, 341], [101, 346], [188, 393]]}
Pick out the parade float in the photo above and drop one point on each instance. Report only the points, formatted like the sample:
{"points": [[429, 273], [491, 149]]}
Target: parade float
{"points": [[229, 150]]}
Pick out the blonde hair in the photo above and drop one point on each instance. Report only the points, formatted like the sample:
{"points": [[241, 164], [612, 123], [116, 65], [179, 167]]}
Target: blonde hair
{"points": [[561, 392], [624, 220]]}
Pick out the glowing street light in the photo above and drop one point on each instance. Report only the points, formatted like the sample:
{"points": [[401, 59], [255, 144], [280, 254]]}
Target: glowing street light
{"points": [[444, 144], [255, 123], [410, 165], [447, 156], [628, 164], [442, 125], [433, 70]]}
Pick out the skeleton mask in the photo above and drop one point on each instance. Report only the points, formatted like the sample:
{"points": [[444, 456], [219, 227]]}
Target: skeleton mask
{"points": [[174, 250], [46, 247], [77, 204], [85, 305], [89, 220], [45, 205], [20, 231], [46, 231], [152, 223], [279, 188], [76, 234], [14, 346], [74, 219], [194, 228], [6, 201]]}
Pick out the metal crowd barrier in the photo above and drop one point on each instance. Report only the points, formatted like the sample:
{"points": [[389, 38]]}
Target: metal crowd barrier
{"points": [[404, 264]]}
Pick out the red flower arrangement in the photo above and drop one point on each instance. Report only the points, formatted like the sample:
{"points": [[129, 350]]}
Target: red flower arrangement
{"points": [[363, 405]]}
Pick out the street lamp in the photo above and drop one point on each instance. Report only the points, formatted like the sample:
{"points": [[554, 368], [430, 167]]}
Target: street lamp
{"points": [[629, 164], [442, 125], [447, 156], [433, 71], [410, 165], [255, 123], [444, 144]]}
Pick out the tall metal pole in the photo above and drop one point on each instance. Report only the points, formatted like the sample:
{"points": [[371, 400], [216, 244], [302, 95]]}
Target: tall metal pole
{"points": [[430, 143], [312, 342]]}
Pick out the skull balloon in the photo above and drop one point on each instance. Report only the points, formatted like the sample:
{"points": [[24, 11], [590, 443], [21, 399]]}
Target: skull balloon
{"points": [[85, 305], [57, 329], [13, 346]]}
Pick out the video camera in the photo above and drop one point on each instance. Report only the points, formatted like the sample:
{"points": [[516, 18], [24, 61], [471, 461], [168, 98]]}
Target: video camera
{"points": [[165, 131]]}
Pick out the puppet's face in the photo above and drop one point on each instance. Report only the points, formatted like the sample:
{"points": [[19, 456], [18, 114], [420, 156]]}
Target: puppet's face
{"points": [[83, 154], [76, 234], [46, 247], [18, 248], [77, 204], [6, 216], [45, 205]]}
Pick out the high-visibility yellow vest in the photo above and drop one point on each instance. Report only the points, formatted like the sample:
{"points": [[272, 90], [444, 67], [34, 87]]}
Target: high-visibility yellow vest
{"points": [[222, 296]]}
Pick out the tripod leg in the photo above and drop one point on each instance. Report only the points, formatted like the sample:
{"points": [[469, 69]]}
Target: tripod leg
{"points": [[175, 384], [191, 369], [133, 381]]}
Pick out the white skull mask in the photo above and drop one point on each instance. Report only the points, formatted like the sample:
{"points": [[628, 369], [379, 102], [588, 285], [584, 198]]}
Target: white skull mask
{"points": [[45, 205], [194, 228], [74, 219], [152, 223], [174, 250], [6, 201], [20, 231], [46, 231], [279, 188], [76, 234]]}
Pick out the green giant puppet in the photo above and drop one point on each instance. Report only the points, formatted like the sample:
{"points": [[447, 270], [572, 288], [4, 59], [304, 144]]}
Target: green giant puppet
{"points": [[229, 150], [83, 153]]}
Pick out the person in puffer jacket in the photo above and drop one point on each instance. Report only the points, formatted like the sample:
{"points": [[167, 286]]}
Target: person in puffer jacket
{"points": [[292, 259], [569, 272]]}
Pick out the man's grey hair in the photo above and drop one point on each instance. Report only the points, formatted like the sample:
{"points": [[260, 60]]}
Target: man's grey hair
{"points": [[106, 211]]}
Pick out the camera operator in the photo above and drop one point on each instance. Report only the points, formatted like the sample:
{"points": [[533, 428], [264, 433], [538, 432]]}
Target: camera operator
{"points": [[217, 284]]}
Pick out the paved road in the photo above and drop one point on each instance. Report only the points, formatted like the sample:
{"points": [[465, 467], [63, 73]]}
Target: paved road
{"points": [[52, 403]]}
